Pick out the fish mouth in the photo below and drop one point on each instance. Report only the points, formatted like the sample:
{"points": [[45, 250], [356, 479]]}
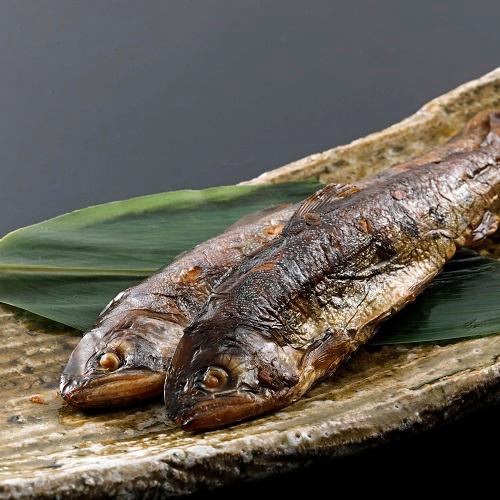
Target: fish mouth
{"points": [[116, 389], [219, 412]]}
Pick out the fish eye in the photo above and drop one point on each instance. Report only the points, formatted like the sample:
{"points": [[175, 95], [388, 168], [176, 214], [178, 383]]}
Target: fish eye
{"points": [[215, 378], [109, 361]]}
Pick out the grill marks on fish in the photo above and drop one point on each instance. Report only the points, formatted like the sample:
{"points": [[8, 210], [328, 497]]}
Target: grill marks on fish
{"points": [[274, 229], [421, 252], [302, 262], [186, 283], [341, 266]]}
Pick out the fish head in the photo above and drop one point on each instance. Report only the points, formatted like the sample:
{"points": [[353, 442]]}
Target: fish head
{"points": [[116, 366], [219, 376]]}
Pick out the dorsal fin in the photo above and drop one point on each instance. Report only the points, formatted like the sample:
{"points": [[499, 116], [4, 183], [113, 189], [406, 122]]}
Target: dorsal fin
{"points": [[320, 202]]}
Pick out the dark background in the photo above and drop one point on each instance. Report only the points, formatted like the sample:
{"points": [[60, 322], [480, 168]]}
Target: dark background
{"points": [[102, 100]]}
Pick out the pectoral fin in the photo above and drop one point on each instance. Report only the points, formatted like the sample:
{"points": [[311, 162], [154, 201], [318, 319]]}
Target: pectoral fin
{"points": [[325, 355]]}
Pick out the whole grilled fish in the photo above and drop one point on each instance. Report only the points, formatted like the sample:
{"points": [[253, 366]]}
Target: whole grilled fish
{"points": [[348, 259], [122, 359]]}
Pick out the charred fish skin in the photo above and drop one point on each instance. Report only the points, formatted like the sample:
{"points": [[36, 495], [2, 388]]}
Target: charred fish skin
{"points": [[123, 358], [289, 315]]}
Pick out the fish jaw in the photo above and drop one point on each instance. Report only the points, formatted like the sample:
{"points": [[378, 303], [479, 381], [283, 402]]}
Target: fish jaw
{"points": [[121, 388], [86, 383], [223, 411]]}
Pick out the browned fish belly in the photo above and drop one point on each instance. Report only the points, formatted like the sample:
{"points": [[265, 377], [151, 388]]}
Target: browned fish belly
{"points": [[348, 259]]}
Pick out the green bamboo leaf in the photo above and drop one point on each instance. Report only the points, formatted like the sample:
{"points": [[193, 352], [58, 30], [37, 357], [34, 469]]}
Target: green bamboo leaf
{"points": [[461, 302], [67, 268]]}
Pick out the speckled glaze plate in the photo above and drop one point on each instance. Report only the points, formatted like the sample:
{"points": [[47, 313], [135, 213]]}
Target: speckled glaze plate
{"points": [[48, 449]]}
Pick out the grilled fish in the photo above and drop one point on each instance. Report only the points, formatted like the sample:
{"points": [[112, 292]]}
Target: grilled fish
{"points": [[123, 358], [348, 259]]}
